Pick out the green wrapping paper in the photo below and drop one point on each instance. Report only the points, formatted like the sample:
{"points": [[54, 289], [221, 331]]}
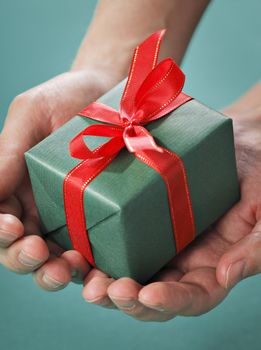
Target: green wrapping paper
{"points": [[126, 206]]}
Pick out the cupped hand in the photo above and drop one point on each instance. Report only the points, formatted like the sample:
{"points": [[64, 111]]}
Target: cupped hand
{"points": [[32, 116], [202, 275]]}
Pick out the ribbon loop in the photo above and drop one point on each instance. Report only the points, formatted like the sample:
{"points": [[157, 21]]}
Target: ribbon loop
{"points": [[143, 61], [159, 89]]}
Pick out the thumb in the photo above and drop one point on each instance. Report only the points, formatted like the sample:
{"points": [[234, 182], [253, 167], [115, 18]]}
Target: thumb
{"points": [[242, 260]]}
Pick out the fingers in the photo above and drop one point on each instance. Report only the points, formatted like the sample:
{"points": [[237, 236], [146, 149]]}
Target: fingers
{"points": [[95, 288], [165, 297], [125, 295], [54, 275], [78, 265], [30, 254], [242, 260], [25, 254], [191, 294], [196, 293], [11, 229], [18, 253], [122, 294]]}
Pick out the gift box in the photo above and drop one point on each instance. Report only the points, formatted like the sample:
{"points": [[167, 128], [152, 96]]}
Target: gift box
{"points": [[126, 207]]}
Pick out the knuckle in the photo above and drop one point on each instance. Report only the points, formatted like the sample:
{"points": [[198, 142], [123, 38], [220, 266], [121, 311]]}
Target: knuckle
{"points": [[31, 102], [25, 99]]}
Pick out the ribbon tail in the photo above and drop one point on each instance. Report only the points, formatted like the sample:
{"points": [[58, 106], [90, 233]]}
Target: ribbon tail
{"points": [[74, 186], [171, 169]]}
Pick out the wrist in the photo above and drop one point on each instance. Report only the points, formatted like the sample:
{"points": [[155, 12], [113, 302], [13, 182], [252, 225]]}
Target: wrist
{"points": [[109, 61]]}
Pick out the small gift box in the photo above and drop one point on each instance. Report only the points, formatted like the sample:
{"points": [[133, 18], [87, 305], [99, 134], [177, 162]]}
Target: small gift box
{"points": [[150, 178]]}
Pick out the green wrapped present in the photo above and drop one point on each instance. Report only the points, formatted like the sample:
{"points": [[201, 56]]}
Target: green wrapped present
{"points": [[126, 205]]}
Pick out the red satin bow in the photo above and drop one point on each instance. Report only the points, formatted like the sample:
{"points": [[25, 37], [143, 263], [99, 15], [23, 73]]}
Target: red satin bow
{"points": [[150, 93]]}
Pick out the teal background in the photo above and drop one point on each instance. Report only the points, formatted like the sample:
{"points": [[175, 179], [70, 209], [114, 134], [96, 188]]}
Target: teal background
{"points": [[38, 39]]}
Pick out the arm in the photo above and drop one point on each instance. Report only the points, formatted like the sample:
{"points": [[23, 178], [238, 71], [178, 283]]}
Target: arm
{"points": [[119, 26], [103, 59]]}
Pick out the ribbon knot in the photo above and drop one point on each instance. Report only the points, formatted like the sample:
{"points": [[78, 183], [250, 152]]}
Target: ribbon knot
{"points": [[152, 91], [130, 123]]}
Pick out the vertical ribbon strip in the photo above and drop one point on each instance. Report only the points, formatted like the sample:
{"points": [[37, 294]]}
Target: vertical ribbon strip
{"points": [[152, 91]]}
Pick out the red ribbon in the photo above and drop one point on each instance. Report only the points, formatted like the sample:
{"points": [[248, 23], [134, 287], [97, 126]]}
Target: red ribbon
{"points": [[151, 92]]}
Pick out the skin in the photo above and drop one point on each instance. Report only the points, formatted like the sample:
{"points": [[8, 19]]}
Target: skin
{"points": [[202, 275]]}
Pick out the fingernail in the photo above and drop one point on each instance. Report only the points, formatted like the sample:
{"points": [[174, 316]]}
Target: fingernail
{"points": [[98, 300], [7, 237], [126, 304], [155, 307], [28, 260], [4, 243], [52, 282], [235, 273]]}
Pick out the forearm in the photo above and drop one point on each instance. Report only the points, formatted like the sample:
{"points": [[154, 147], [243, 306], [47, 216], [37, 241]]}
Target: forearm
{"points": [[119, 26]]}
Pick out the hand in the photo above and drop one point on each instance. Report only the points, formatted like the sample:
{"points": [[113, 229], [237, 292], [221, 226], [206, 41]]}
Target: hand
{"points": [[107, 47], [32, 116], [201, 276], [102, 60]]}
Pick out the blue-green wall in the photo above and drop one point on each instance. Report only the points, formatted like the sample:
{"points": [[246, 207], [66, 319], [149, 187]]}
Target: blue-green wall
{"points": [[38, 39]]}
